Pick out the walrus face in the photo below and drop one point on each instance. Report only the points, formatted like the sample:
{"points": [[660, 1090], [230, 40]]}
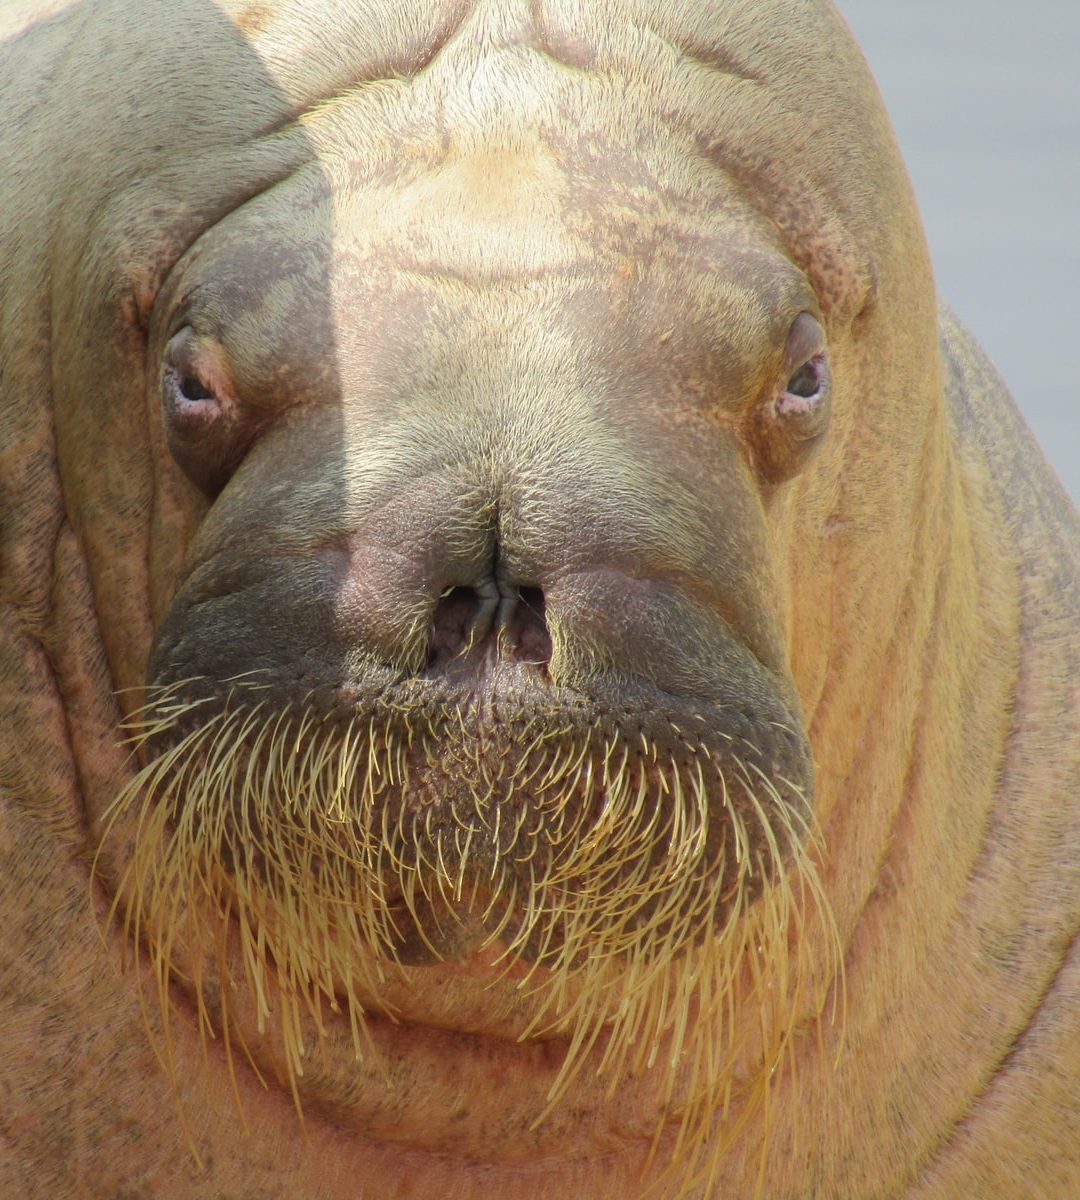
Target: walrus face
{"points": [[470, 704]]}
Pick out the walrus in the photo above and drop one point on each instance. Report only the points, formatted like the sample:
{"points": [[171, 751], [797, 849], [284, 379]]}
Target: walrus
{"points": [[535, 656]]}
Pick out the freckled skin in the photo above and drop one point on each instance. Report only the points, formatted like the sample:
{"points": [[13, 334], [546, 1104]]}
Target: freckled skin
{"points": [[520, 283]]}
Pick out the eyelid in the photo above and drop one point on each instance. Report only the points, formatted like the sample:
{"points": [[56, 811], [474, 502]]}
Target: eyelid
{"points": [[806, 340]]}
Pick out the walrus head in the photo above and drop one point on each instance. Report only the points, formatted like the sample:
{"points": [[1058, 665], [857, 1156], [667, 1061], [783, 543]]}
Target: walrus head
{"points": [[493, 463], [475, 656]]}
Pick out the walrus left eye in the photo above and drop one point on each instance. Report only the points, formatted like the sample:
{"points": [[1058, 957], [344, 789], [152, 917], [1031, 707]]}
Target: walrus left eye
{"points": [[807, 382], [790, 420]]}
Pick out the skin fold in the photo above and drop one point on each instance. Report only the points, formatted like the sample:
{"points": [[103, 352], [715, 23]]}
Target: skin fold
{"points": [[534, 655]]}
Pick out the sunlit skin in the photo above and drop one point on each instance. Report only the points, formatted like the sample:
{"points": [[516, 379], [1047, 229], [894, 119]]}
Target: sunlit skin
{"points": [[534, 659]]}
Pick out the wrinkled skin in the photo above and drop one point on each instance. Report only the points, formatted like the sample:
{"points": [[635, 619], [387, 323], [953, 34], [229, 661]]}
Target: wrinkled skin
{"points": [[447, 356]]}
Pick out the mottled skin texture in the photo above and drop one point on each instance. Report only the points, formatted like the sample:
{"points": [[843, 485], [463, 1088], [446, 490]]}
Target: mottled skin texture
{"points": [[538, 200]]}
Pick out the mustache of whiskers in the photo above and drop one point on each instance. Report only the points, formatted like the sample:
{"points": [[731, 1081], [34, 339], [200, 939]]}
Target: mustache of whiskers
{"points": [[661, 902]]}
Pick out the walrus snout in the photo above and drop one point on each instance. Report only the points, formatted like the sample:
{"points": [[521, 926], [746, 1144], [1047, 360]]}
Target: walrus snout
{"points": [[560, 679]]}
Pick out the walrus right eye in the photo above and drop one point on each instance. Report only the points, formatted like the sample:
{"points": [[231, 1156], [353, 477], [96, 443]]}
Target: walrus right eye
{"points": [[200, 413], [192, 388]]}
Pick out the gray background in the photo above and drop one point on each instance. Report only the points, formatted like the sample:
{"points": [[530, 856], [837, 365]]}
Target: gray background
{"points": [[985, 99]]}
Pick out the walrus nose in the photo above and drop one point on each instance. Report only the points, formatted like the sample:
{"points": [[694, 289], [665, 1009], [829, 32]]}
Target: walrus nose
{"points": [[494, 617]]}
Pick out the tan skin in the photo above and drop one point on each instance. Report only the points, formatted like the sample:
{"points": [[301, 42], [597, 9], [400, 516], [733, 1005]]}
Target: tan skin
{"points": [[564, 268]]}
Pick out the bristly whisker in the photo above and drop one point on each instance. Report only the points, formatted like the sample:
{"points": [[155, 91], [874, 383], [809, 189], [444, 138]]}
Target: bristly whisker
{"points": [[661, 896]]}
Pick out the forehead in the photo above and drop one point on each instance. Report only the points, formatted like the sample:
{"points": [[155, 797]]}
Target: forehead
{"points": [[505, 173], [510, 158], [519, 184], [629, 126]]}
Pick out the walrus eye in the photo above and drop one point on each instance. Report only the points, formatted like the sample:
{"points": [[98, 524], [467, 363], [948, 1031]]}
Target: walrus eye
{"points": [[192, 388], [807, 371], [185, 389], [791, 418], [807, 380], [199, 413]]}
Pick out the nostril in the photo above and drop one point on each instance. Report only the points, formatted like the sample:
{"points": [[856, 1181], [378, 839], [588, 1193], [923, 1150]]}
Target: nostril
{"points": [[533, 599], [454, 624], [528, 628], [510, 621]]}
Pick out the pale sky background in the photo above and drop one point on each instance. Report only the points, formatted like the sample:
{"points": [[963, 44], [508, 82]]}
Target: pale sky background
{"points": [[985, 99]]}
